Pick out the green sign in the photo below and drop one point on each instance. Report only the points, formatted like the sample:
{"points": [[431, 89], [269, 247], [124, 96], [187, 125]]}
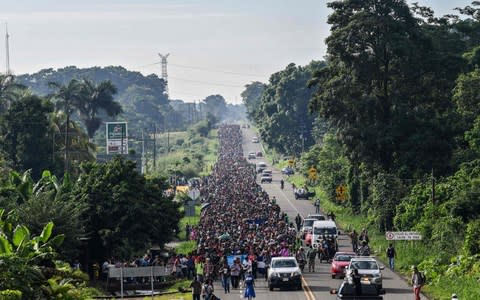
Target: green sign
{"points": [[116, 130]]}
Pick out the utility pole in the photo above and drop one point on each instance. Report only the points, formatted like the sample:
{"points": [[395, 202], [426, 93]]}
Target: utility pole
{"points": [[144, 165], [164, 71], [155, 148], [67, 110], [433, 188], [7, 52]]}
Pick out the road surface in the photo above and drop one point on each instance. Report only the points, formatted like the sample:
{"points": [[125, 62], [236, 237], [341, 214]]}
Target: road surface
{"points": [[316, 285]]}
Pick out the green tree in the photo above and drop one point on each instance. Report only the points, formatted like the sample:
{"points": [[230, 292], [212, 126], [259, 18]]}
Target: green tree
{"points": [[96, 98], [283, 118], [126, 213], [67, 99], [251, 98], [9, 91], [215, 105], [25, 127]]}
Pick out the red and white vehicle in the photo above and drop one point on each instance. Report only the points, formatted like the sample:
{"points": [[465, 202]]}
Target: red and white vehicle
{"points": [[340, 262]]}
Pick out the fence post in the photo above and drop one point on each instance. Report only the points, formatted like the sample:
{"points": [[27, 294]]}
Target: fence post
{"points": [[151, 279], [121, 282]]}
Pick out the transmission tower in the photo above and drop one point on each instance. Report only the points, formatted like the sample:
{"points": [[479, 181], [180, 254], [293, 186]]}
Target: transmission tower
{"points": [[7, 52], [164, 70]]}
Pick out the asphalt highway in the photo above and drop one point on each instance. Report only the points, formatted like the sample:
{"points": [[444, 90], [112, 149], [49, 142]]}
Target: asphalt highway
{"points": [[316, 285]]}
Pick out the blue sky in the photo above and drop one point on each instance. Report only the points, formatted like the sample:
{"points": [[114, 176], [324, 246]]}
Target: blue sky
{"points": [[215, 46]]}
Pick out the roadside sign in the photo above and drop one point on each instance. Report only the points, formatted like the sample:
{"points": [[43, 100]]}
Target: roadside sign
{"points": [[117, 137], [194, 194], [291, 162], [403, 235], [312, 176], [312, 170], [341, 192]]}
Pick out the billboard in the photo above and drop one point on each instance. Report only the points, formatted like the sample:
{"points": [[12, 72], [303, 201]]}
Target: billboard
{"points": [[117, 138]]}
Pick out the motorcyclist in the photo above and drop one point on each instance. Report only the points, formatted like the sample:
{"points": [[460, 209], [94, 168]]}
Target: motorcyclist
{"points": [[364, 250]]}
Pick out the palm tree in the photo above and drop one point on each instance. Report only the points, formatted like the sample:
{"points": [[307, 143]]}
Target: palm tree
{"points": [[96, 98], [66, 98], [9, 91]]}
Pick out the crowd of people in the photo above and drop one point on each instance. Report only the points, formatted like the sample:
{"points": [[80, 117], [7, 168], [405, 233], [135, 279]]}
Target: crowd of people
{"points": [[240, 228]]}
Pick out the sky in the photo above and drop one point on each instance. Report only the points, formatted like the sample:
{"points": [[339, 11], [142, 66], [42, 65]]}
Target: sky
{"points": [[215, 46]]}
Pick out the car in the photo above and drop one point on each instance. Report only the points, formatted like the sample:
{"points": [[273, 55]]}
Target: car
{"points": [[251, 155], [261, 166], [288, 171], [319, 217], [266, 176], [324, 230], [368, 268], [340, 262], [307, 225], [284, 272], [254, 139], [259, 154], [303, 194], [347, 291]]}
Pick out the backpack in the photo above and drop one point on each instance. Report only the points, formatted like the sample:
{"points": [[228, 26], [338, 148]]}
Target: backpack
{"points": [[421, 278]]}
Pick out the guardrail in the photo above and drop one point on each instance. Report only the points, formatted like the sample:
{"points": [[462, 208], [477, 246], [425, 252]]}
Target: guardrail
{"points": [[136, 272]]}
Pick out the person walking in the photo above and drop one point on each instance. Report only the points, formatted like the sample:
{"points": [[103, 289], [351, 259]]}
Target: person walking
{"points": [[317, 206], [391, 256], [235, 273], [249, 286], [312, 253], [226, 277], [354, 238], [418, 280], [298, 221], [196, 288]]}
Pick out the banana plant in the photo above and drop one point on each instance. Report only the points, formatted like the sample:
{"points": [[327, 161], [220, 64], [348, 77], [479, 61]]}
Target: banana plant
{"points": [[19, 241]]}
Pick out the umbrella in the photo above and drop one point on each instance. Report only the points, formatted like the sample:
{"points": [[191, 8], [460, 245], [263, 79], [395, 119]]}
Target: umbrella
{"points": [[204, 205], [224, 237]]}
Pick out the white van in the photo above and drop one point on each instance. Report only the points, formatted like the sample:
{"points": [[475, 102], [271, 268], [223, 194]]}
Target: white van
{"points": [[321, 229]]}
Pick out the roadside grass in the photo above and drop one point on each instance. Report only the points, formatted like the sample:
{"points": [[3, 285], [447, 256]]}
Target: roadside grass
{"points": [[186, 247], [408, 252], [176, 296]]}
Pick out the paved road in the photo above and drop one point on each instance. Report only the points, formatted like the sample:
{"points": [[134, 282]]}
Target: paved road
{"points": [[316, 285]]}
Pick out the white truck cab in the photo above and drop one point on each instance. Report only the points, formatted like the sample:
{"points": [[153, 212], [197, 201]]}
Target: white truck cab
{"points": [[321, 229]]}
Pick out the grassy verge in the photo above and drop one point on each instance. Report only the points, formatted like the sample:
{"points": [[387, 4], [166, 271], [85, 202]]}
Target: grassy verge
{"points": [[408, 252]]}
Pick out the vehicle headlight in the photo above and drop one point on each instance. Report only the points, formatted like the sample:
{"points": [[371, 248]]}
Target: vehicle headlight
{"points": [[296, 273], [378, 275], [275, 274]]}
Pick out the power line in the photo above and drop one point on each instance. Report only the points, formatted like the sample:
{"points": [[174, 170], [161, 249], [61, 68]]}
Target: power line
{"points": [[208, 83], [202, 69]]}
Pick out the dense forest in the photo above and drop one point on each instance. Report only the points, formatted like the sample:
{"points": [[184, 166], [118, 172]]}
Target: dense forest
{"points": [[392, 113]]}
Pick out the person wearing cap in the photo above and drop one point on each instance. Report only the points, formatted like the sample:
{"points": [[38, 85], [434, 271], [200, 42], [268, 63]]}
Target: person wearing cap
{"points": [[418, 281]]}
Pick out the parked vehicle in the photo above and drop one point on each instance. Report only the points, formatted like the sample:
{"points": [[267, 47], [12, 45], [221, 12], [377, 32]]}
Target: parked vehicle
{"points": [[259, 154], [284, 272], [266, 177], [340, 262], [255, 139], [303, 194], [288, 171], [251, 155]]}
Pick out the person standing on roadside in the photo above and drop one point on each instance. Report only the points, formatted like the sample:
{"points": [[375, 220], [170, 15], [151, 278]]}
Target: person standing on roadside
{"points": [[196, 288], [391, 256], [317, 206], [418, 280], [354, 238]]}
